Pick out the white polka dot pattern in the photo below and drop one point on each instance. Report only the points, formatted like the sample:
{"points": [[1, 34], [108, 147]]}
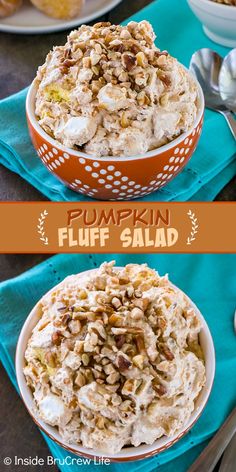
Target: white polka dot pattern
{"points": [[106, 176]]}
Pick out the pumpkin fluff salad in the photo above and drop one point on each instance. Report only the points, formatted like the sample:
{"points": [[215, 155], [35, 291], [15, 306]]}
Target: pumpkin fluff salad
{"points": [[114, 359], [109, 91]]}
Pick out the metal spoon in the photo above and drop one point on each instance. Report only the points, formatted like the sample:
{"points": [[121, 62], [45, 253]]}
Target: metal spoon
{"points": [[229, 458], [205, 65], [227, 80], [212, 452]]}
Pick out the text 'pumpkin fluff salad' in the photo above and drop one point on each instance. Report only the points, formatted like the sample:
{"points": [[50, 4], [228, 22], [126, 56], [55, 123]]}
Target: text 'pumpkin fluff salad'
{"points": [[109, 91], [115, 359]]}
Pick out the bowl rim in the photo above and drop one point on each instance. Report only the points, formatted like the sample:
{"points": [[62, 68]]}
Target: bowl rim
{"points": [[30, 111], [222, 7], [130, 453]]}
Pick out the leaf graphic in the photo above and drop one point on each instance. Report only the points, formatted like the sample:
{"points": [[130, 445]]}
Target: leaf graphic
{"points": [[194, 228], [40, 227]]}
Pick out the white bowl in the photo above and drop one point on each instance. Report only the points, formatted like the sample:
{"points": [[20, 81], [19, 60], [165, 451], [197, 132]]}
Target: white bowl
{"points": [[128, 453], [219, 20]]}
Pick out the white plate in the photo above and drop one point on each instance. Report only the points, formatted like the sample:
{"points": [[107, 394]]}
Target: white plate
{"points": [[29, 20]]}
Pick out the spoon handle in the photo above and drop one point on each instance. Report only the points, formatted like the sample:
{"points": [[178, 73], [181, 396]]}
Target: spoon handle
{"points": [[231, 121], [229, 457], [211, 454]]}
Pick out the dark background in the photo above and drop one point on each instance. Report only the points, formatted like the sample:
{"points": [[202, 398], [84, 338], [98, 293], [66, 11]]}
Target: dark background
{"points": [[19, 58]]}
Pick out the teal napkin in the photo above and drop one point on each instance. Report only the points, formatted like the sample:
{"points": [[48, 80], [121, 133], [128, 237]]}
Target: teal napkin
{"points": [[208, 279], [212, 165]]}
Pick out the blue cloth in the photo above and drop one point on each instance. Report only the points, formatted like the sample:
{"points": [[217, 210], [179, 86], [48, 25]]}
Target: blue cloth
{"points": [[213, 163], [211, 283]]}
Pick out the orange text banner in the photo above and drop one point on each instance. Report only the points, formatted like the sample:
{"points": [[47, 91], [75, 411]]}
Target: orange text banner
{"points": [[46, 227]]}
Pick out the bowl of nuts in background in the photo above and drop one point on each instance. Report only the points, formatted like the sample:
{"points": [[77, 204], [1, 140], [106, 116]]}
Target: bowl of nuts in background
{"points": [[86, 363]]}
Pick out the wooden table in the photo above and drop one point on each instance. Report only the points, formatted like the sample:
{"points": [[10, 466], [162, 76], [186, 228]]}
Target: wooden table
{"points": [[19, 59]]}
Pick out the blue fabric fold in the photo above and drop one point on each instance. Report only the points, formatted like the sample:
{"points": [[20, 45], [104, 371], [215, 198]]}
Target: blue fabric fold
{"points": [[211, 283], [180, 32]]}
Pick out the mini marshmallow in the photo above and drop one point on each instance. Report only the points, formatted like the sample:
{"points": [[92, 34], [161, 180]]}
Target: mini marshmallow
{"points": [[53, 411], [78, 130], [112, 98]]}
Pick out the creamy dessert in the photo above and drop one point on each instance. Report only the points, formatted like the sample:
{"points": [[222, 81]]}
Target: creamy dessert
{"points": [[115, 358], [109, 91]]}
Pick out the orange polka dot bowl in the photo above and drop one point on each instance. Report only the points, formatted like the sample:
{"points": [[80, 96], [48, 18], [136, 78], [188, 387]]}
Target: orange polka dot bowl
{"points": [[114, 178]]}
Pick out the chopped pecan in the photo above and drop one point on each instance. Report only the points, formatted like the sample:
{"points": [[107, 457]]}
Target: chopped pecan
{"points": [[115, 320], [50, 359], [141, 303], [113, 378], [134, 330], [125, 122], [100, 422], [65, 319], [165, 79], [161, 323], [85, 359], [120, 340], [56, 338], [129, 62], [73, 403], [116, 302], [80, 380], [139, 340], [123, 363], [141, 59], [68, 52], [68, 63], [167, 353], [138, 361], [130, 292], [102, 24], [158, 387], [137, 313], [62, 309], [123, 280], [161, 53], [134, 48]]}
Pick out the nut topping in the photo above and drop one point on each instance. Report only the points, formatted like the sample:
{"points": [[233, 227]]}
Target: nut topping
{"points": [[123, 363], [80, 380], [167, 353], [129, 62], [159, 388], [56, 338], [120, 340], [116, 303]]}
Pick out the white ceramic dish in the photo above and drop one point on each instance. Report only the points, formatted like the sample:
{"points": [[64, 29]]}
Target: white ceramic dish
{"points": [[219, 20], [128, 453], [29, 20]]}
